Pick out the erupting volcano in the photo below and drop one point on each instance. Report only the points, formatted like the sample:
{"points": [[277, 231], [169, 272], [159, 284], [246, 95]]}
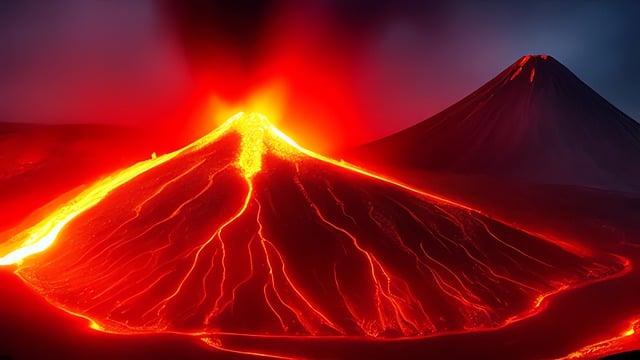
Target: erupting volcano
{"points": [[246, 232]]}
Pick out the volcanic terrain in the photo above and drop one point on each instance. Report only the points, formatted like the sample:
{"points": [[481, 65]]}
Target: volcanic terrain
{"points": [[246, 232], [64, 156], [535, 121]]}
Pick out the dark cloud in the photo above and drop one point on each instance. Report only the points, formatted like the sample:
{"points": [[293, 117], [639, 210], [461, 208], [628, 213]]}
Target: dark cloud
{"points": [[211, 26], [600, 40]]}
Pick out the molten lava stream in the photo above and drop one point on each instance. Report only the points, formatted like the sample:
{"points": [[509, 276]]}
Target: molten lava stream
{"points": [[627, 339], [245, 232]]}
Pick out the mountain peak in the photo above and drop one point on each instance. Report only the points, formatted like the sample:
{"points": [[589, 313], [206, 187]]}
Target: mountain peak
{"points": [[542, 57], [257, 137], [527, 66], [535, 121], [247, 123]]}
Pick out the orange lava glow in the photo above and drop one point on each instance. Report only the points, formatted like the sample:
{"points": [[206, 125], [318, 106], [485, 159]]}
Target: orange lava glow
{"points": [[626, 340], [299, 244]]}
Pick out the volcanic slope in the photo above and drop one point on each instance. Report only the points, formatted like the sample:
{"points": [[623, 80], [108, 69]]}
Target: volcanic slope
{"points": [[64, 156], [246, 232], [534, 121]]}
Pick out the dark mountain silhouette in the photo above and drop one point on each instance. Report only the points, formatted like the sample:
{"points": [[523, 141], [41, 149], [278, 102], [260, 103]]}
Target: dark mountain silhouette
{"points": [[535, 121]]}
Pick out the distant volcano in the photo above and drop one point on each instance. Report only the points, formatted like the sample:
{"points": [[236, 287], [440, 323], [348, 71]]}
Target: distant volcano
{"points": [[535, 121], [246, 232]]}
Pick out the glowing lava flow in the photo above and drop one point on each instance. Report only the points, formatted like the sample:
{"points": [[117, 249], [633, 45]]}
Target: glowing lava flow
{"points": [[41, 236], [245, 232], [626, 340], [252, 127]]}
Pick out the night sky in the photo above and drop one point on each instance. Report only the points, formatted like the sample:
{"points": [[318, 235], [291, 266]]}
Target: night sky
{"points": [[352, 70]]}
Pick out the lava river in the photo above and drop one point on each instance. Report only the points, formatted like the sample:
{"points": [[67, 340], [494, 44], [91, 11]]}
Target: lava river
{"points": [[246, 232]]}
